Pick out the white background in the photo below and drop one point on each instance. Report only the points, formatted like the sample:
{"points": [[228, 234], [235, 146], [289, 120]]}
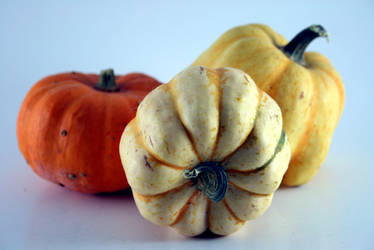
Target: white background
{"points": [[161, 38]]}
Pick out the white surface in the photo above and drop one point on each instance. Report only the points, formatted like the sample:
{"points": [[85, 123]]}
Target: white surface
{"points": [[333, 211]]}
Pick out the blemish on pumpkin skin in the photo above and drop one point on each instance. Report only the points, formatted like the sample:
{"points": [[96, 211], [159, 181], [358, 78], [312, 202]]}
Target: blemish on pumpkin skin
{"points": [[82, 175], [64, 132], [301, 96], [167, 147], [246, 78], [72, 176], [147, 163], [55, 81], [113, 138], [41, 166]]}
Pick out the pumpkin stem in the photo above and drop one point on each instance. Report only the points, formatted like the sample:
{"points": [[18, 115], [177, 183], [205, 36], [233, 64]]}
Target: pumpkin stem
{"points": [[210, 178], [296, 47], [107, 81]]}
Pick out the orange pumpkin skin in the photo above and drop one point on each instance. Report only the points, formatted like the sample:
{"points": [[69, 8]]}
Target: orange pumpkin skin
{"points": [[69, 131]]}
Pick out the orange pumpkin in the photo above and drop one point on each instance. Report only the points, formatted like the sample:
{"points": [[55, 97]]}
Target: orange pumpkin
{"points": [[70, 124]]}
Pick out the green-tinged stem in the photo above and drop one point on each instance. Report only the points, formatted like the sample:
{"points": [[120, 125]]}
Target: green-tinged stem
{"points": [[296, 47], [107, 81], [210, 178]]}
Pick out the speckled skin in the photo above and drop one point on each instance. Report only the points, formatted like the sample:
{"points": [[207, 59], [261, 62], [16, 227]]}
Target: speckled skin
{"points": [[201, 115], [69, 131], [311, 96]]}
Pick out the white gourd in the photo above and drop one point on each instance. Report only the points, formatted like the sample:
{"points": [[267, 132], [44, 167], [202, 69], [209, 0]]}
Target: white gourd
{"points": [[204, 126]]}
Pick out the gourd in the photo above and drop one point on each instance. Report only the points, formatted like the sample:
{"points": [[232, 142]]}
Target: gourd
{"points": [[205, 150], [69, 127], [305, 85]]}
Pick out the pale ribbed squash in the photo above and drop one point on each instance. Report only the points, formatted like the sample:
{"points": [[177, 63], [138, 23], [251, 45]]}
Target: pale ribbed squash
{"points": [[214, 121]]}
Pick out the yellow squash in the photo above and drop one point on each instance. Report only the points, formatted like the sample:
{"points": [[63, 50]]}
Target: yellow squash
{"points": [[305, 85], [206, 150]]}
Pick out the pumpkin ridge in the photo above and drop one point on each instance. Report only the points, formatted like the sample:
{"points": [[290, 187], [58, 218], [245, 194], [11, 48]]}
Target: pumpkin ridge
{"points": [[62, 143], [51, 81], [135, 82], [107, 119], [224, 45], [79, 78], [276, 38], [90, 80], [38, 159], [238, 148], [304, 167], [246, 36], [339, 87], [260, 93], [278, 148], [85, 79], [251, 171], [301, 144], [188, 133], [183, 210], [231, 212], [147, 198], [245, 190], [41, 90], [44, 89], [111, 141], [24, 116], [256, 95], [129, 78], [260, 50], [219, 73], [273, 85], [140, 140], [46, 96]]}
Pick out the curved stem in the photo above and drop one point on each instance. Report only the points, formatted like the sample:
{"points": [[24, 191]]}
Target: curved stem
{"points": [[210, 178], [107, 81], [296, 47]]}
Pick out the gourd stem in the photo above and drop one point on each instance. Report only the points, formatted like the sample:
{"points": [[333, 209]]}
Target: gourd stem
{"points": [[210, 178], [107, 81], [296, 47]]}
